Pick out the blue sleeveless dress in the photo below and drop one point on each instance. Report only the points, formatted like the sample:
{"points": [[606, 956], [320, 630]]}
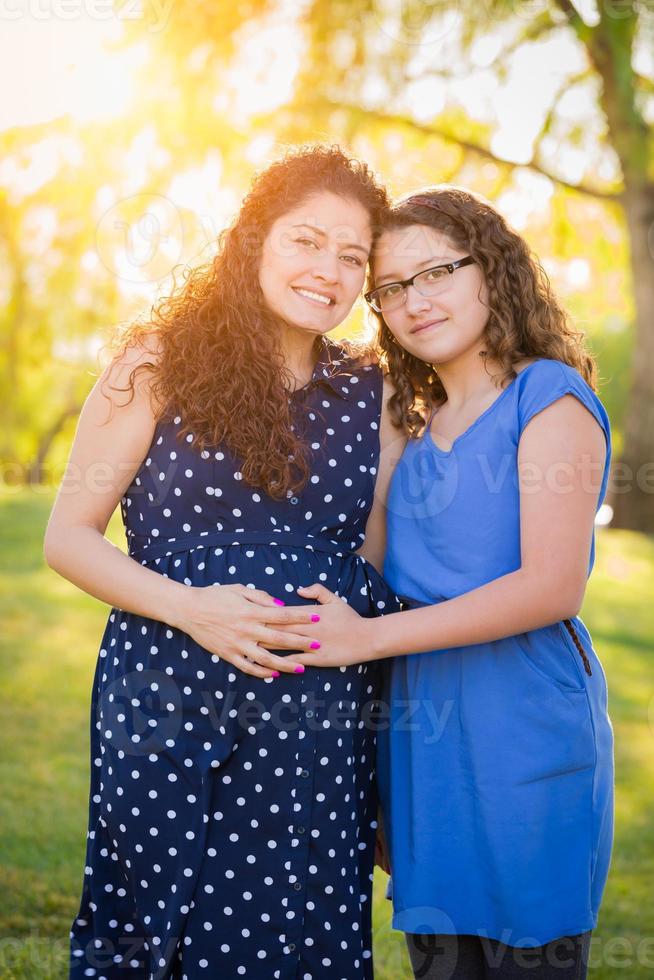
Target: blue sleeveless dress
{"points": [[496, 771], [232, 819]]}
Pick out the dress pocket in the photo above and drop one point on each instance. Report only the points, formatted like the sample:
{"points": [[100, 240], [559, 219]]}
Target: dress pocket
{"points": [[551, 653]]}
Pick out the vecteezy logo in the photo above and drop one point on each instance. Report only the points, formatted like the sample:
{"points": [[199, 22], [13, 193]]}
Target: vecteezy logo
{"points": [[422, 487], [140, 238], [140, 711], [417, 22]]}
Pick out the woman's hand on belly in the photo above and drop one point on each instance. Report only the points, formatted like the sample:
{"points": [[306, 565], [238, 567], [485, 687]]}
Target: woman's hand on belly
{"points": [[237, 624]]}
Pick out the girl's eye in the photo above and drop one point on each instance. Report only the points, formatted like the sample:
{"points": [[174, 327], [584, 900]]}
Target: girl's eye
{"points": [[352, 260], [387, 292], [307, 241], [433, 275]]}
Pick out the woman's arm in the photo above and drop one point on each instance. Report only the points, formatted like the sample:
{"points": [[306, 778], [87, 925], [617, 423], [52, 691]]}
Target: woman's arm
{"points": [[391, 447], [561, 459], [112, 439]]}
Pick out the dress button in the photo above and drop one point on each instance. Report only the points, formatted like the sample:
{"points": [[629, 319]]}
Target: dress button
{"points": [[309, 713], [299, 830], [297, 886], [291, 947], [304, 773], [295, 500]]}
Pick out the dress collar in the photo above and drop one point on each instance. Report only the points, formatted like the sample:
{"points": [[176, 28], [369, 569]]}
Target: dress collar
{"points": [[334, 368]]}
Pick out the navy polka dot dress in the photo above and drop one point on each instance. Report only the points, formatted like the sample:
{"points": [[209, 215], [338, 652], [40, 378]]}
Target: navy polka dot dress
{"points": [[232, 819]]}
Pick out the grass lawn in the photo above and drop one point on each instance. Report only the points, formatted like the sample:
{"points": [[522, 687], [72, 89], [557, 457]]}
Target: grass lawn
{"points": [[48, 646]]}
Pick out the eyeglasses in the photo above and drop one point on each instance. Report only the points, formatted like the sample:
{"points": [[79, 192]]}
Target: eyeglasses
{"points": [[430, 282]]}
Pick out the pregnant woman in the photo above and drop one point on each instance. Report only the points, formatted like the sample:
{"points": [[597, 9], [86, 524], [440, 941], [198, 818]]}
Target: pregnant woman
{"points": [[496, 767], [232, 807]]}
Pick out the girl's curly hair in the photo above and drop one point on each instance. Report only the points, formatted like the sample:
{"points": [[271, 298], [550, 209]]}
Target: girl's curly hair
{"points": [[219, 363], [525, 319]]}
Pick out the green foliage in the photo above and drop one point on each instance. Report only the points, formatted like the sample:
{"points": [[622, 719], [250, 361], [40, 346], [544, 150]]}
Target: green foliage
{"points": [[76, 190]]}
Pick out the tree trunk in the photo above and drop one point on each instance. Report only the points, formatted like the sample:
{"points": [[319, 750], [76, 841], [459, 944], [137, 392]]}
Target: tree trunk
{"points": [[35, 471], [633, 483], [15, 318]]}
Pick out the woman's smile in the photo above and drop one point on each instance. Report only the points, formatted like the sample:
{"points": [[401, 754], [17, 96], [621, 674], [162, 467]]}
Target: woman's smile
{"points": [[314, 297]]}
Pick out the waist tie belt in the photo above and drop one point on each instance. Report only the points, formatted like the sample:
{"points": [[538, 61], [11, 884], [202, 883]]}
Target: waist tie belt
{"points": [[144, 548]]}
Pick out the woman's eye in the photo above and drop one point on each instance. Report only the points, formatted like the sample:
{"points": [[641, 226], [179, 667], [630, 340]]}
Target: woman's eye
{"points": [[433, 275], [394, 289], [352, 260], [307, 241]]}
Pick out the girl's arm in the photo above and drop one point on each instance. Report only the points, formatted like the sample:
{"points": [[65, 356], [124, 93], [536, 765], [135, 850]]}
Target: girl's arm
{"points": [[391, 447], [561, 459], [112, 439]]}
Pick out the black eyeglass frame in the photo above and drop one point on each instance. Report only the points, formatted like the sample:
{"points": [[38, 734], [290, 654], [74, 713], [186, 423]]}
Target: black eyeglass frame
{"points": [[448, 266]]}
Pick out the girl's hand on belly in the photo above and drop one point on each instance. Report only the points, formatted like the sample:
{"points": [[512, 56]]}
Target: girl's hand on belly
{"points": [[341, 632]]}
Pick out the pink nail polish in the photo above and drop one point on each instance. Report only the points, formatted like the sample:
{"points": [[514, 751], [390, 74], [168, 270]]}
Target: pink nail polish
{"points": [[279, 602], [276, 673], [315, 619], [315, 645], [299, 669]]}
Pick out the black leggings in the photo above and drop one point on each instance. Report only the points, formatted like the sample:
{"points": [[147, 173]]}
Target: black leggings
{"points": [[472, 958]]}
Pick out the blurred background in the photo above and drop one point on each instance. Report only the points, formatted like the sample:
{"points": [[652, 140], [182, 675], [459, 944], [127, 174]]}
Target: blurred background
{"points": [[128, 134]]}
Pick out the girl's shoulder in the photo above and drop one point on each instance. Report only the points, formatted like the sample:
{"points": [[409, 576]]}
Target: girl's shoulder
{"points": [[544, 370], [542, 381]]}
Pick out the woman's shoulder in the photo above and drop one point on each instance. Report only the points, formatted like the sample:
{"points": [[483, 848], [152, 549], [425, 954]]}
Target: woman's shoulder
{"points": [[133, 350], [355, 354], [131, 367]]}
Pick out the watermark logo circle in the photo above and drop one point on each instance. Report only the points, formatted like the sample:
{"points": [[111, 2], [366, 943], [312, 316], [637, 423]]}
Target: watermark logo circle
{"points": [[417, 22], [140, 711], [422, 487], [140, 238]]}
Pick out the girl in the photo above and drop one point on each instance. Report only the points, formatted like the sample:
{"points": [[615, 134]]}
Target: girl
{"points": [[496, 767], [232, 810]]}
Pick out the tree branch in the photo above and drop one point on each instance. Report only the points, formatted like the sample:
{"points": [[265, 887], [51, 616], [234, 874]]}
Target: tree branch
{"points": [[534, 32], [566, 84], [395, 119], [571, 13]]}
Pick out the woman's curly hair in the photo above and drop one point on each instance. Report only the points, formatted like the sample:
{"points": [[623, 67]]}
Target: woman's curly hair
{"points": [[525, 319], [219, 363]]}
